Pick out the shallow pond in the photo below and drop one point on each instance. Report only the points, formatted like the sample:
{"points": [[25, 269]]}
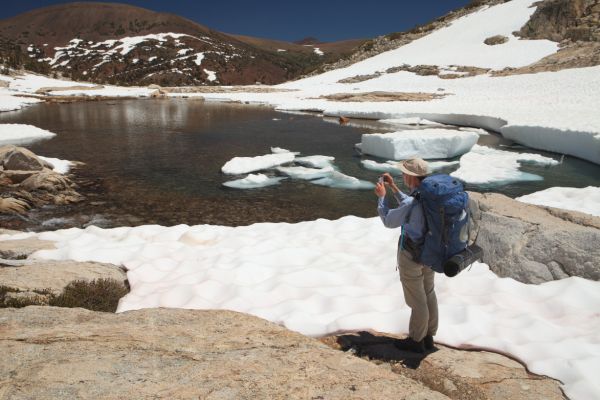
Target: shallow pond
{"points": [[159, 161]]}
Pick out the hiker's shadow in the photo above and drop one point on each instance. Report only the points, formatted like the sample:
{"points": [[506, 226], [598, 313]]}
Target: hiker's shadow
{"points": [[365, 344]]}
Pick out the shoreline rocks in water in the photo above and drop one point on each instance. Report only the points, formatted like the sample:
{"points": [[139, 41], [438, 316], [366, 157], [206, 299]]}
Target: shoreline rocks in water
{"points": [[28, 181]]}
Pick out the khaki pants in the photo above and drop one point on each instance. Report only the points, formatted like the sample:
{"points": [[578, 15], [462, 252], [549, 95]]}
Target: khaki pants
{"points": [[419, 294]]}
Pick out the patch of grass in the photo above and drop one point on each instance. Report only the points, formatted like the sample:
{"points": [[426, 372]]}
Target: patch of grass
{"points": [[97, 295]]}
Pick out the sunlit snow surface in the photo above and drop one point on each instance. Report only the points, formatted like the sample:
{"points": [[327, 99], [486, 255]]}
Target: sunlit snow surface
{"points": [[60, 166], [243, 165], [325, 276], [586, 200], [22, 134]]}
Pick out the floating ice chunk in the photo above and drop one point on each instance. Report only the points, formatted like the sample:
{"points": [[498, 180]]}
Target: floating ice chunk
{"points": [[381, 167], [243, 165], [279, 150], [410, 121], [437, 165], [316, 161], [586, 200], [487, 165], [60, 166], [426, 143], [306, 173], [478, 131], [392, 165], [21, 134], [341, 181], [253, 181]]}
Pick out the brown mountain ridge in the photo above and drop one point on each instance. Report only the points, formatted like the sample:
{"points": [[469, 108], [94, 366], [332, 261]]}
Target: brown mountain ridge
{"points": [[43, 40]]}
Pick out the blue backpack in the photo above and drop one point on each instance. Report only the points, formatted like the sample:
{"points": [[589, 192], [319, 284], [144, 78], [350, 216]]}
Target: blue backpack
{"points": [[445, 207]]}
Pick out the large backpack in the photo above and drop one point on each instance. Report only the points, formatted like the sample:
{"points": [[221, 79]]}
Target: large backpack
{"points": [[445, 208]]}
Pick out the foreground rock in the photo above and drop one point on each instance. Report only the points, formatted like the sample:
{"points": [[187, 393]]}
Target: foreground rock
{"points": [[27, 181], [535, 244], [60, 353], [459, 374]]}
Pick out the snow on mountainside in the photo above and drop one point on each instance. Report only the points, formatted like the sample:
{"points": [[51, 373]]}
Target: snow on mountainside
{"points": [[122, 44]]}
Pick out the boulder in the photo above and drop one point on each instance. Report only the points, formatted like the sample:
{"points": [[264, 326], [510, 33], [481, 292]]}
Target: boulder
{"points": [[53, 276], [22, 248], [494, 40], [46, 180], [10, 205], [65, 353], [535, 244], [19, 158]]}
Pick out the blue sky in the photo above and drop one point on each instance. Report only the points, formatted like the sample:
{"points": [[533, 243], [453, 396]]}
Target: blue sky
{"points": [[327, 20]]}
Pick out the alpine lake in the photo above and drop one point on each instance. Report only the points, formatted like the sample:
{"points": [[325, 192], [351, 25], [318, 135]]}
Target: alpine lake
{"points": [[158, 161]]}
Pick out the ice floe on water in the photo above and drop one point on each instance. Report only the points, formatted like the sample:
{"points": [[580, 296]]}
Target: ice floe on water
{"points": [[485, 165], [306, 173], [253, 181], [585, 200], [321, 277], [418, 121], [244, 165], [316, 161], [425, 143], [22, 134], [279, 150], [392, 165], [341, 181]]}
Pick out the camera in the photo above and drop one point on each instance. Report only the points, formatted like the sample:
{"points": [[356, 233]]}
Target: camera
{"points": [[462, 260]]}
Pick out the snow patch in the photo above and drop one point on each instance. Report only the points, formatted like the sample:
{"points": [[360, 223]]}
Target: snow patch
{"points": [[22, 134], [585, 200]]}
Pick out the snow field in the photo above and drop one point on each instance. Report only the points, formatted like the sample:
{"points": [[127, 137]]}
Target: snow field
{"points": [[586, 200], [323, 276]]}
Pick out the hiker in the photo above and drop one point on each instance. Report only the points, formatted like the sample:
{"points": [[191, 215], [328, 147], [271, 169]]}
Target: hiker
{"points": [[417, 279]]}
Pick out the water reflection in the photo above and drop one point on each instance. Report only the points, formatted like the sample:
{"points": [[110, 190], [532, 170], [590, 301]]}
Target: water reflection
{"points": [[160, 160]]}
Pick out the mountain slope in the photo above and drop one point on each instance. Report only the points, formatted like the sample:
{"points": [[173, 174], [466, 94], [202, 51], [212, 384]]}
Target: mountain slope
{"points": [[117, 43]]}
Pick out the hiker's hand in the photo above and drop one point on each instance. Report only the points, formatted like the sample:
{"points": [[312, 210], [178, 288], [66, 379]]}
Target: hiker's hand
{"points": [[387, 178], [380, 189]]}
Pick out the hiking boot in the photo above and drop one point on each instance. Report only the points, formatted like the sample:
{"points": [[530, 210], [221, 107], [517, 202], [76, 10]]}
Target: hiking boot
{"points": [[428, 342], [408, 344]]}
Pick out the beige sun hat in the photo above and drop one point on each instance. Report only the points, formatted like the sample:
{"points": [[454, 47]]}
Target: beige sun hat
{"points": [[414, 166]]}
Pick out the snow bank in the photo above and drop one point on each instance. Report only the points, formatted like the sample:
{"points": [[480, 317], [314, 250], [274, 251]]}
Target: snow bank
{"points": [[21, 134], [243, 165], [340, 181], [425, 143], [11, 103], [306, 173], [60, 166], [322, 276], [585, 200], [487, 165], [253, 181]]}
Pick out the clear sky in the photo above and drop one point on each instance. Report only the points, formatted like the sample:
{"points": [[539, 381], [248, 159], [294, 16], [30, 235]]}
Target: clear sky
{"points": [[326, 20]]}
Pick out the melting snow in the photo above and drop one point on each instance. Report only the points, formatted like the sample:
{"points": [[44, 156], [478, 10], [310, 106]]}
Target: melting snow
{"points": [[243, 165], [586, 200], [253, 181], [22, 134]]}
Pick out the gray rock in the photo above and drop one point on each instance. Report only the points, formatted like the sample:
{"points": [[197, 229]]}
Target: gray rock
{"points": [[536, 244], [54, 276], [494, 40], [61, 353], [22, 248], [19, 158]]}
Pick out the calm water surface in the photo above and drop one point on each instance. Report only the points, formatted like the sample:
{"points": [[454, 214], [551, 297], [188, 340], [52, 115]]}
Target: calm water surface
{"points": [[159, 161]]}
